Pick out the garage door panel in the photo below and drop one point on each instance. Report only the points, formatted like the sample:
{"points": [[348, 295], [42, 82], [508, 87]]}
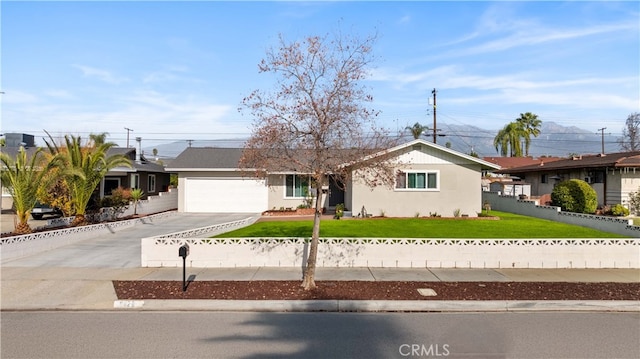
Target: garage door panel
{"points": [[225, 195]]}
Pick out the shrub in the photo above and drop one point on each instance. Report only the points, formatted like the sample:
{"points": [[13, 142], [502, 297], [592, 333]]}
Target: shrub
{"points": [[118, 202], [634, 201], [339, 211], [618, 210], [575, 196]]}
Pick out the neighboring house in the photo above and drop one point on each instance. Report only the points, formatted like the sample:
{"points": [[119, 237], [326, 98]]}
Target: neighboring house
{"points": [[149, 176], [146, 175], [612, 175], [431, 179]]}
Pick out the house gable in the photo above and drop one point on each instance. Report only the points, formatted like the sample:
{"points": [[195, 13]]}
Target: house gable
{"points": [[423, 152], [438, 181]]}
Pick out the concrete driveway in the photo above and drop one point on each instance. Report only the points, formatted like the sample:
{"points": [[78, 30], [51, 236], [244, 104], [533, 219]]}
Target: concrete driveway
{"points": [[120, 249]]}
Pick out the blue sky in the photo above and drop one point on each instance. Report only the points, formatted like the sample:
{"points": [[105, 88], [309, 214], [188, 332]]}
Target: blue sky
{"points": [[178, 70]]}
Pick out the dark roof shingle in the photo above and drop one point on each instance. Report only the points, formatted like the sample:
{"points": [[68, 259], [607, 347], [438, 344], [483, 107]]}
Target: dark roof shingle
{"points": [[613, 160], [207, 157]]}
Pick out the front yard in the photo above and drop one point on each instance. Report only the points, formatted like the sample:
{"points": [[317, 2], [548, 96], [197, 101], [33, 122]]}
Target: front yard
{"points": [[508, 226]]}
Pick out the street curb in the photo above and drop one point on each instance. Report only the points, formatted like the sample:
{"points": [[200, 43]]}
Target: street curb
{"points": [[375, 305]]}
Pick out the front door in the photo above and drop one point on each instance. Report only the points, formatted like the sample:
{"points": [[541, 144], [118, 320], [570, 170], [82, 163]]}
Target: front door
{"points": [[336, 191]]}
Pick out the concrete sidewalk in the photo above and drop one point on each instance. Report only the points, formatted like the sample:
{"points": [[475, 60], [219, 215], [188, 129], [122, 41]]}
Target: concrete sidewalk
{"points": [[68, 288]]}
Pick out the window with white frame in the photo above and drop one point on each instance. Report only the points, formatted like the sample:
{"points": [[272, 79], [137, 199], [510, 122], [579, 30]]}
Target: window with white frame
{"points": [[152, 183], [296, 186], [418, 180], [135, 180]]}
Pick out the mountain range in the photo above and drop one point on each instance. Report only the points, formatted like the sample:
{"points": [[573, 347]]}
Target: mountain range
{"points": [[554, 140]]}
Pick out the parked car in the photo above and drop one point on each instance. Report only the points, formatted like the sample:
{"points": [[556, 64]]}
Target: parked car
{"points": [[41, 209]]}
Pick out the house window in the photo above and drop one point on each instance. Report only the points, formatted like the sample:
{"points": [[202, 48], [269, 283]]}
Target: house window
{"points": [[544, 178], [598, 177], [418, 180], [296, 186], [135, 180], [109, 185], [152, 183]]}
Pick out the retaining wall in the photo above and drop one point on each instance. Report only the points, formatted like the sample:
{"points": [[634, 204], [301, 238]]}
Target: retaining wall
{"points": [[511, 204]]}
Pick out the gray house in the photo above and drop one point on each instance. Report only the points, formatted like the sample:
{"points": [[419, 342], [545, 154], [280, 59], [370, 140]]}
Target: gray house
{"points": [[144, 174], [611, 175], [430, 179]]}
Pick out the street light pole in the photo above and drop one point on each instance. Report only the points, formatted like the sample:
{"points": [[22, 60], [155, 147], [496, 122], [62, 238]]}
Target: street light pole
{"points": [[435, 129], [602, 133]]}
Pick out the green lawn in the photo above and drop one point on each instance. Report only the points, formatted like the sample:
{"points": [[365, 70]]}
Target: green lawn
{"points": [[509, 226]]}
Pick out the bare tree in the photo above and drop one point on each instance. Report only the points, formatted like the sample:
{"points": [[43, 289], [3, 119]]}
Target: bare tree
{"points": [[316, 121], [630, 140]]}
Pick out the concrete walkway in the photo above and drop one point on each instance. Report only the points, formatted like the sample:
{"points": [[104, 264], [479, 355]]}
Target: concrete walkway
{"points": [[79, 277]]}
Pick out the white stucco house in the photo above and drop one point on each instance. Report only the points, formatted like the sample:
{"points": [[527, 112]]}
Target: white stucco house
{"points": [[431, 179]]}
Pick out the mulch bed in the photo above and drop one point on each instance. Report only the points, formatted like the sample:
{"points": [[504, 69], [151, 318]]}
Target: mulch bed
{"points": [[381, 290]]}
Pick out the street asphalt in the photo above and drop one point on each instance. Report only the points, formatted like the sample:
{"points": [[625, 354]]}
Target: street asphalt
{"points": [[79, 277]]}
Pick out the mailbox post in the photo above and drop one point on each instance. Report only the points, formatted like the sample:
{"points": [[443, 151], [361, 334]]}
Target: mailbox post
{"points": [[183, 252]]}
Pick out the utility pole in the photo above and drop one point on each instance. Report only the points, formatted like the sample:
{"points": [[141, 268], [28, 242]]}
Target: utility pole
{"points": [[435, 129], [189, 142], [602, 132], [128, 130]]}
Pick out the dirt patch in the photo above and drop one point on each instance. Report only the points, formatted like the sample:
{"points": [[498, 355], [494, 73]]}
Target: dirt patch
{"points": [[371, 290]]}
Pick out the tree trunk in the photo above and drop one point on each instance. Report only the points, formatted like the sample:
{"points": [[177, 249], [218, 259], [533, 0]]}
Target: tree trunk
{"points": [[308, 282], [22, 225], [79, 220]]}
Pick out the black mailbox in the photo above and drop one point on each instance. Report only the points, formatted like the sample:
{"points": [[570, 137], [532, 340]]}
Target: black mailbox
{"points": [[183, 251]]}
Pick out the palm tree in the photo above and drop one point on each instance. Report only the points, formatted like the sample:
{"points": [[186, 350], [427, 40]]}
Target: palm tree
{"points": [[508, 140], [417, 129], [529, 125], [23, 177], [136, 196], [85, 167], [98, 139]]}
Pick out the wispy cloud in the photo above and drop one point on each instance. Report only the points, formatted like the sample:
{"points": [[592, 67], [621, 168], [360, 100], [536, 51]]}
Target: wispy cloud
{"points": [[59, 94], [101, 74], [13, 96], [538, 36], [405, 19], [169, 74]]}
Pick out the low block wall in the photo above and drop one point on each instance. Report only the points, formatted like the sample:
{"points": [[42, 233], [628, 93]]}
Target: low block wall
{"points": [[511, 204], [163, 202], [406, 253]]}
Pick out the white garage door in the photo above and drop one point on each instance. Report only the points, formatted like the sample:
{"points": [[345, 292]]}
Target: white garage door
{"points": [[225, 195]]}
